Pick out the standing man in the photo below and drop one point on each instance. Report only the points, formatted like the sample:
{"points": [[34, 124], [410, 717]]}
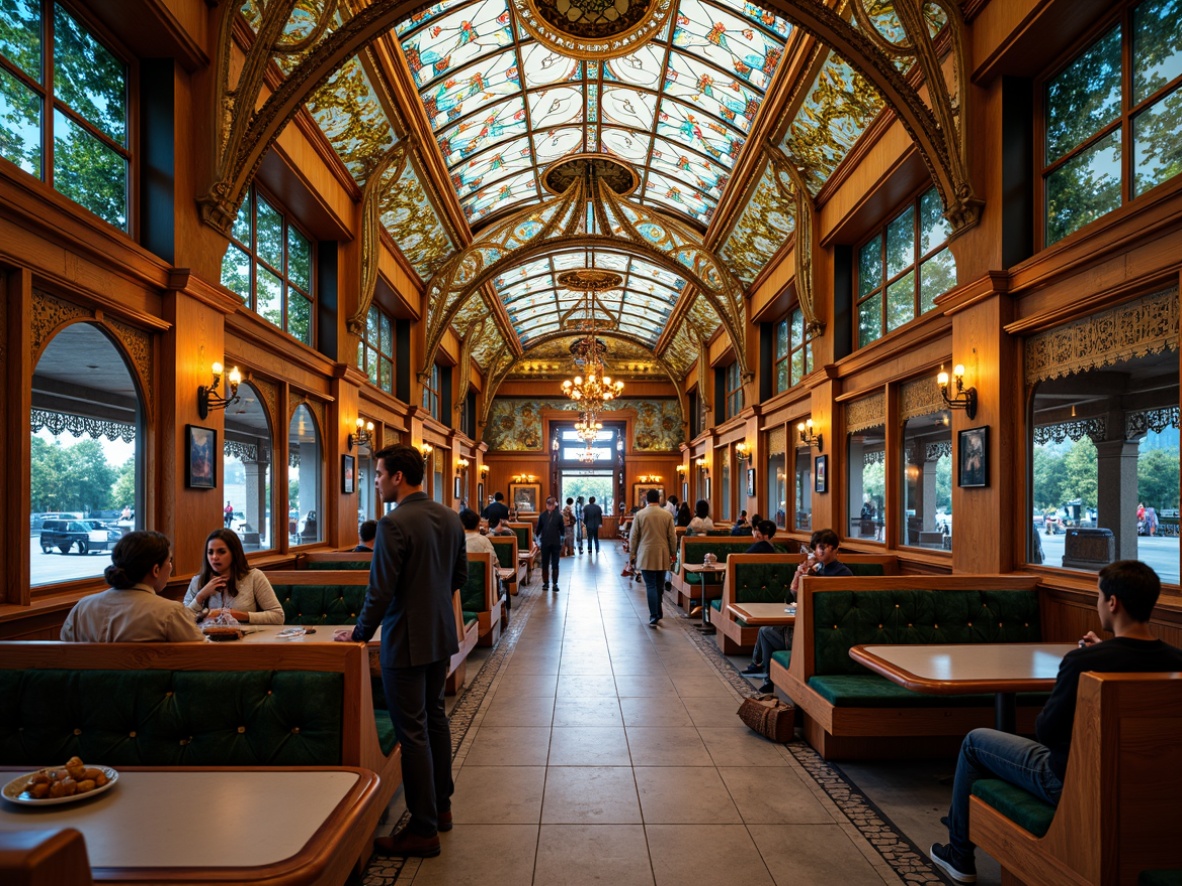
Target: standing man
{"points": [[549, 536], [1128, 591], [592, 520], [228, 514], [496, 508], [579, 508], [655, 543], [419, 560]]}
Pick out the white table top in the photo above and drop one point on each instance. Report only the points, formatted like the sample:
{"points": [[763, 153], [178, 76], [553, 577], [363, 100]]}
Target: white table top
{"points": [[270, 634], [203, 819], [966, 667], [764, 613]]}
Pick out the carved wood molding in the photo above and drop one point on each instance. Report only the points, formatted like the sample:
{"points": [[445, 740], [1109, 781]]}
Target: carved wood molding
{"points": [[920, 396], [865, 412]]}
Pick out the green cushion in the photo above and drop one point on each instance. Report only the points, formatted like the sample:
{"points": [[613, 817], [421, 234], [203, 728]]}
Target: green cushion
{"points": [[504, 554], [469, 616], [1160, 878], [716, 605], [320, 604], [171, 718], [783, 656], [472, 597], [337, 564], [873, 691], [763, 582], [842, 619], [1019, 806], [523, 537], [866, 569], [386, 736], [694, 552]]}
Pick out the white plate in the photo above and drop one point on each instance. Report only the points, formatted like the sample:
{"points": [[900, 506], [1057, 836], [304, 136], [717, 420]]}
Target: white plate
{"points": [[14, 790]]}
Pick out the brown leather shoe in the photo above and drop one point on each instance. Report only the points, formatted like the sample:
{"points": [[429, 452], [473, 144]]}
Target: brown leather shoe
{"points": [[408, 844], [445, 821]]}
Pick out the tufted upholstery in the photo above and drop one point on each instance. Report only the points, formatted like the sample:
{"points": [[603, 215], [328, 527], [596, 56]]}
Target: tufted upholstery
{"points": [[320, 604], [844, 619], [763, 582], [473, 595], [695, 547]]}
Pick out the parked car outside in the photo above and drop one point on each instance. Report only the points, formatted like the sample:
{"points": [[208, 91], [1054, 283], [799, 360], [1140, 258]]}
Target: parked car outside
{"points": [[85, 535]]}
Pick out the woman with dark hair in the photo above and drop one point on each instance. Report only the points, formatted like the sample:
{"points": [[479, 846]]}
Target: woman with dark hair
{"points": [[701, 524], [130, 611], [684, 515], [227, 584]]}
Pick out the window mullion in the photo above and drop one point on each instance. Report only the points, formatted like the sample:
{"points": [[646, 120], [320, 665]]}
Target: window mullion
{"points": [[48, 101]]}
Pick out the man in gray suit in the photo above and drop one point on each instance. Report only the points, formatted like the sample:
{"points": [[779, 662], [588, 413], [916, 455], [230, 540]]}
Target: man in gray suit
{"points": [[419, 559], [655, 544]]}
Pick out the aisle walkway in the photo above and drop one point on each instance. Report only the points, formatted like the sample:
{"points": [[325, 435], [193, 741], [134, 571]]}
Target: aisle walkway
{"points": [[605, 751]]}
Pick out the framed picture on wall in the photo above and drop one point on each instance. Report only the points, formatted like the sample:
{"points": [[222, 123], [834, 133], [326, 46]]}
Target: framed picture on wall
{"points": [[481, 504], [685, 492], [750, 482], [821, 474], [201, 470], [973, 458], [457, 489], [348, 474], [525, 497], [640, 493]]}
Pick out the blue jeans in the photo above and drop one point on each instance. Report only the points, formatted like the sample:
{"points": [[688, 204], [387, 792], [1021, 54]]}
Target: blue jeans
{"points": [[987, 753], [654, 585]]}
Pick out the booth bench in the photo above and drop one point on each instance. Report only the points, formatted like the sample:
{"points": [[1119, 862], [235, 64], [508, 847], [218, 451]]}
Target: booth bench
{"points": [[691, 587]]}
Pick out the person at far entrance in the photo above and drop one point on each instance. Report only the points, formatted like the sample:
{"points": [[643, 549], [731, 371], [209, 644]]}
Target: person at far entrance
{"points": [[549, 536], [655, 543], [419, 559], [1127, 592], [592, 520]]}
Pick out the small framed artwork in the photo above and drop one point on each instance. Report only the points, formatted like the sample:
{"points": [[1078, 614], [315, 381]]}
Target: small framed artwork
{"points": [[201, 471], [348, 474], [480, 502], [821, 474], [685, 492], [973, 458], [525, 497], [457, 489], [640, 493], [750, 482]]}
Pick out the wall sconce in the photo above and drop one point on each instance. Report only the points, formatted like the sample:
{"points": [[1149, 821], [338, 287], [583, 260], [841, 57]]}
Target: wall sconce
{"points": [[524, 478], [363, 436], [426, 449], [808, 438], [484, 469], [209, 399], [742, 450], [966, 398], [649, 478], [681, 469], [703, 467], [461, 466]]}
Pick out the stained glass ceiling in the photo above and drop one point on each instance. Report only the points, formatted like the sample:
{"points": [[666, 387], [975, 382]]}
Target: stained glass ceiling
{"points": [[503, 106]]}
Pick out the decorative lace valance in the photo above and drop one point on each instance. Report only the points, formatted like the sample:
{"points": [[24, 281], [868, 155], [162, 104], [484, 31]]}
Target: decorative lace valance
{"points": [[775, 441], [1138, 424], [1148, 325], [874, 457], [1074, 430], [938, 450], [920, 397], [867, 412], [244, 452], [80, 426]]}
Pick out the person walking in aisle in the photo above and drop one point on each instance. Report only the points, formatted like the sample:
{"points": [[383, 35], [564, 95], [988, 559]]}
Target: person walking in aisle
{"points": [[655, 544], [592, 520], [549, 537], [419, 559]]}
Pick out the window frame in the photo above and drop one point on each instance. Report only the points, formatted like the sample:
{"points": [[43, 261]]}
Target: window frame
{"points": [[787, 323], [50, 104], [733, 381], [431, 387], [365, 347], [1124, 120], [251, 251]]}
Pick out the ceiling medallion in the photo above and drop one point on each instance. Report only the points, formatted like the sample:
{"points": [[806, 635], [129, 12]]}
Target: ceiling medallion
{"points": [[593, 29], [616, 174]]}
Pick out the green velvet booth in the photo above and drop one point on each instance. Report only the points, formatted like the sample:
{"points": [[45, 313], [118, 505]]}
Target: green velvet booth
{"points": [[691, 550], [481, 599]]}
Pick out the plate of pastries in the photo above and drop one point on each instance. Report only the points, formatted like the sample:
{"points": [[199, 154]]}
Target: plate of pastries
{"points": [[60, 784]]}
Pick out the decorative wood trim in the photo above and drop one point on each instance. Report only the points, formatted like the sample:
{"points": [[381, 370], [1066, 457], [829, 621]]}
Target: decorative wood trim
{"points": [[214, 295]]}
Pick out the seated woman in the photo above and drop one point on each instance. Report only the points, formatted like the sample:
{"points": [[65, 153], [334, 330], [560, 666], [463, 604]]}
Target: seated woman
{"points": [[701, 524], [130, 611], [684, 515], [226, 583]]}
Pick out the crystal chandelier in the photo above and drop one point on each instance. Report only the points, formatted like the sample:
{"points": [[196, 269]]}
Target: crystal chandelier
{"points": [[591, 387], [587, 428]]}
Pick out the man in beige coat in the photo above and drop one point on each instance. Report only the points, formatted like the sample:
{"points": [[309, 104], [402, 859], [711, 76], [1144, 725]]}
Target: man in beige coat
{"points": [[655, 544]]}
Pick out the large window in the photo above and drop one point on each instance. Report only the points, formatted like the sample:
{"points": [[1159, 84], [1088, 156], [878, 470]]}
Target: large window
{"points": [[927, 485], [734, 390], [1112, 118], [722, 459], [431, 392], [903, 267], [867, 481], [85, 465], [246, 470], [777, 482], [793, 358], [375, 351], [64, 107], [269, 263], [305, 485]]}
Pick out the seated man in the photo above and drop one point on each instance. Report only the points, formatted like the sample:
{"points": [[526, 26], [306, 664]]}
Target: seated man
{"points": [[473, 540], [763, 531], [366, 533], [497, 526], [774, 638], [1128, 591]]}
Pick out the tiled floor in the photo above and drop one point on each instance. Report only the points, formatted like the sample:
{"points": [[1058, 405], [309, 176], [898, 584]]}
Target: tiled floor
{"points": [[605, 751]]}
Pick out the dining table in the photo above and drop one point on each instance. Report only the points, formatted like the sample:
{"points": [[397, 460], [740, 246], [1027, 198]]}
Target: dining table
{"points": [[1003, 669], [299, 634], [268, 826], [711, 575], [759, 614]]}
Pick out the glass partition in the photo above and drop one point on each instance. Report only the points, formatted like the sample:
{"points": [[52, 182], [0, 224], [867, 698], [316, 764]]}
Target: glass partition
{"points": [[803, 490], [927, 484], [246, 470], [305, 478], [867, 482], [777, 481]]}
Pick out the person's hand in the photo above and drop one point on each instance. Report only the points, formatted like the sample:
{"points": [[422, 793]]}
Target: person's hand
{"points": [[1089, 639], [237, 614], [215, 585], [343, 635]]}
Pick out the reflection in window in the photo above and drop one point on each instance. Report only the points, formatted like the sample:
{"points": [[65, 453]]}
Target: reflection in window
{"points": [[304, 478], [247, 469], [867, 481], [777, 489], [375, 350], [722, 458], [1089, 428], [84, 467], [269, 264], [1098, 112], [438, 460], [803, 480], [927, 484], [82, 113], [903, 268]]}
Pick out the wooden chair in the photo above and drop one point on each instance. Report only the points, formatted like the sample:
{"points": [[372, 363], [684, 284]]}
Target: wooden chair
{"points": [[44, 857]]}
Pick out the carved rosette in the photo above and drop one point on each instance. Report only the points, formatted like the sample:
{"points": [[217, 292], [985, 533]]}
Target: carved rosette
{"points": [[865, 412], [920, 397]]}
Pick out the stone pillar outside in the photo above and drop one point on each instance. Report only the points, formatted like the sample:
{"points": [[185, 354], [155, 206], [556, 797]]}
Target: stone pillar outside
{"points": [[1116, 480]]}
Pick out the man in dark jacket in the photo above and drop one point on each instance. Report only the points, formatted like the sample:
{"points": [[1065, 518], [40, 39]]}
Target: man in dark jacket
{"points": [[592, 520], [550, 534], [762, 531], [1128, 591], [419, 559], [496, 508]]}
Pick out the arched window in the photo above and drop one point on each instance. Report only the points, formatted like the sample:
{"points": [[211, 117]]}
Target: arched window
{"points": [[247, 470], [304, 478], [86, 464]]}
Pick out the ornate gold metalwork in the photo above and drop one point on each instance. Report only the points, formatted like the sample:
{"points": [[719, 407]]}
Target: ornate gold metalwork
{"points": [[866, 412], [783, 168], [593, 29], [1148, 325], [467, 345], [371, 231], [616, 174]]}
